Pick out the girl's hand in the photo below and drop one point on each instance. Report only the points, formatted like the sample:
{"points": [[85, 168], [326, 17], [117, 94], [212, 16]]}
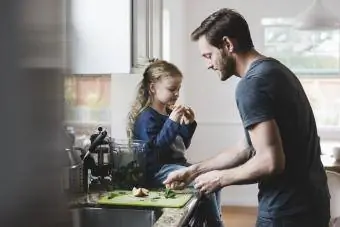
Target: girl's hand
{"points": [[188, 116], [177, 113]]}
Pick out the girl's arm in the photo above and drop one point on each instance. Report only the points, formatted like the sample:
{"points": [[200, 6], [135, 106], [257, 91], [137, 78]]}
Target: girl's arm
{"points": [[187, 132], [158, 133]]}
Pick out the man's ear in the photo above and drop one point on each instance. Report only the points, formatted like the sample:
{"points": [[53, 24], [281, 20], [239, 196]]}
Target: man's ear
{"points": [[228, 44]]}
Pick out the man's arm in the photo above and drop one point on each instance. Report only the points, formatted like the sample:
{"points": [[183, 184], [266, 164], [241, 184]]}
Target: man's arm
{"points": [[268, 160], [225, 160]]}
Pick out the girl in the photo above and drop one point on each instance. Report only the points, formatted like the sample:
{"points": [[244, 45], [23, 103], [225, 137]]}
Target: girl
{"points": [[167, 132]]}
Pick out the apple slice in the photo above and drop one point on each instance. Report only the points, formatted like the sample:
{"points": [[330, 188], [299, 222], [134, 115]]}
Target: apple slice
{"points": [[140, 192]]}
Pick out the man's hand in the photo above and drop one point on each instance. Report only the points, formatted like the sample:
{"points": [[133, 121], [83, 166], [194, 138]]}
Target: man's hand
{"points": [[178, 179], [209, 182]]}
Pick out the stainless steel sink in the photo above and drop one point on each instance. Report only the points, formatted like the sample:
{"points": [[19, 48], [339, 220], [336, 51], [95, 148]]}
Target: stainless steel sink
{"points": [[114, 217]]}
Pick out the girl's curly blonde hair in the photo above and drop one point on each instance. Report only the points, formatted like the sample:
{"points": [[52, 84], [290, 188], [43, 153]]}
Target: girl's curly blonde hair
{"points": [[157, 70]]}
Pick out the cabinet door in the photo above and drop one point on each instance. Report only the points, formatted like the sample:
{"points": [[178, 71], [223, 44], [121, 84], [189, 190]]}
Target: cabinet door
{"points": [[100, 34], [146, 31]]}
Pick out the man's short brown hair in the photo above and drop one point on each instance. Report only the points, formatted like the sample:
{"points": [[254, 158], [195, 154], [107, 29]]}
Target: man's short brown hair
{"points": [[225, 22]]}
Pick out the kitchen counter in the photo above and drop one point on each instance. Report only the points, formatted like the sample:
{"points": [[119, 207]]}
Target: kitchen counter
{"points": [[171, 217], [330, 163]]}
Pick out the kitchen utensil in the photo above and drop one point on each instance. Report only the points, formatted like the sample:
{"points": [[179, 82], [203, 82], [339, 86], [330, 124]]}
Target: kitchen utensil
{"points": [[129, 163], [73, 172]]}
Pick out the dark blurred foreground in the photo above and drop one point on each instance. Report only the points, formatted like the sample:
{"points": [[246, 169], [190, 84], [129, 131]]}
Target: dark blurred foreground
{"points": [[32, 64]]}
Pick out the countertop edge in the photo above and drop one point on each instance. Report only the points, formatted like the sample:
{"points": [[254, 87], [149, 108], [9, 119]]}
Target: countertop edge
{"points": [[171, 217], [176, 217]]}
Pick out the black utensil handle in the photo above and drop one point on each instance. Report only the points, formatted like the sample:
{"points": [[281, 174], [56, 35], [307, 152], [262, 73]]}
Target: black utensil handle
{"points": [[98, 140]]}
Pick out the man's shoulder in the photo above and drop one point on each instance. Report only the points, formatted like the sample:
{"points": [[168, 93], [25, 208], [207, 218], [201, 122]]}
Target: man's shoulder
{"points": [[264, 68], [263, 64], [251, 82], [264, 73]]}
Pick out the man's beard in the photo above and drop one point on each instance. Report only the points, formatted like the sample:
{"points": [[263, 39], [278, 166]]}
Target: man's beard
{"points": [[228, 66]]}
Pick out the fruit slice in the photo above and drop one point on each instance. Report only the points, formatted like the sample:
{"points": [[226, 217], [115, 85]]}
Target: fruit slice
{"points": [[145, 191], [140, 192]]}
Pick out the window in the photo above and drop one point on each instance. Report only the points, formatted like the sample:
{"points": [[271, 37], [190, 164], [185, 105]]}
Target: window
{"points": [[314, 56], [146, 32], [87, 102], [166, 35], [305, 52]]}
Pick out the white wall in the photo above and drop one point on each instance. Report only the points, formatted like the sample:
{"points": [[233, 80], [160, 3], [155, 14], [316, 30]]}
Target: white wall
{"points": [[218, 120], [123, 92], [177, 37]]}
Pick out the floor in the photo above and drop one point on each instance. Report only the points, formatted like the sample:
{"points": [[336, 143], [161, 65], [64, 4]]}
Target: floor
{"points": [[239, 216]]}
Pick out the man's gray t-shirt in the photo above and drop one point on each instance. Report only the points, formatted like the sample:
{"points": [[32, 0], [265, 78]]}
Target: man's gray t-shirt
{"points": [[269, 91]]}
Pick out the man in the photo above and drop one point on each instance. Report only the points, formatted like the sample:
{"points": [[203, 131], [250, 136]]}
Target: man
{"points": [[281, 150]]}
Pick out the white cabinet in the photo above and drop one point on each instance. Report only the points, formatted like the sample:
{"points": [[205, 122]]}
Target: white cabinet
{"points": [[100, 32], [114, 36]]}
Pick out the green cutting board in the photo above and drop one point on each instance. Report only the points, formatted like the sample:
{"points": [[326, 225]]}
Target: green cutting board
{"points": [[154, 199]]}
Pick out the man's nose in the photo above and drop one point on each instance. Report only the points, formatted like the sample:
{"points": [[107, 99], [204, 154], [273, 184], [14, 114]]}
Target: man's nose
{"points": [[210, 65]]}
